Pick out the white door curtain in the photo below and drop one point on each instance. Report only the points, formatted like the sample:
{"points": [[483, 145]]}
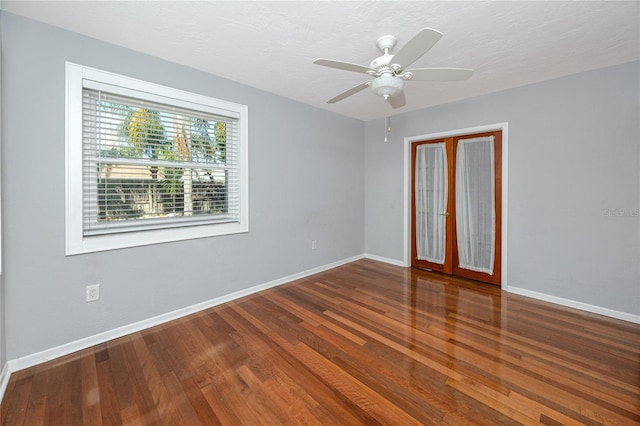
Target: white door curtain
{"points": [[475, 207], [431, 191]]}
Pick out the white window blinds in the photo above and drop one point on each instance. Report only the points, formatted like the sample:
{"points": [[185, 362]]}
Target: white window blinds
{"points": [[148, 164]]}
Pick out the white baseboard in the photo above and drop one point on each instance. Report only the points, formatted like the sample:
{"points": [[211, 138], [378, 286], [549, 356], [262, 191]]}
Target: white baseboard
{"points": [[540, 296], [4, 379], [577, 305], [67, 348], [385, 260]]}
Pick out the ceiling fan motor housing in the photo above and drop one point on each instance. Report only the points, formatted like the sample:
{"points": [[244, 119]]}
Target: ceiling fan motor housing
{"points": [[381, 62], [387, 85]]}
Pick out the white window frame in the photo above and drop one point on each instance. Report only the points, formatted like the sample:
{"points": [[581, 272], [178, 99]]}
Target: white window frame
{"points": [[77, 76]]}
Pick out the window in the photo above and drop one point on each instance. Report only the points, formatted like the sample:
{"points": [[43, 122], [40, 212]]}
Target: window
{"points": [[150, 164]]}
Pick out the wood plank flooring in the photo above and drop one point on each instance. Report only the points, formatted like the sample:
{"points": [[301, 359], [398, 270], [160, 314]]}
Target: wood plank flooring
{"points": [[365, 343]]}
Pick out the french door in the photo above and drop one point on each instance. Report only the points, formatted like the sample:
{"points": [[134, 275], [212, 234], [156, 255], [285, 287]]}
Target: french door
{"points": [[456, 205]]}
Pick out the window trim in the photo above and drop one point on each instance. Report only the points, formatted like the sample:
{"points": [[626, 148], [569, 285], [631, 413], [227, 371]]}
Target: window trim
{"points": [[75, 241]]}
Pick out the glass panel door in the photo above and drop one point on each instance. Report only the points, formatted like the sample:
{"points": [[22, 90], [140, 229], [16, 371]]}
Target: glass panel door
{"points": [[456, 211]]}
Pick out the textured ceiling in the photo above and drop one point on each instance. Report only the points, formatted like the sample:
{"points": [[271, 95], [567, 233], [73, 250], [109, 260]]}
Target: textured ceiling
{"points": [[271, 45]]}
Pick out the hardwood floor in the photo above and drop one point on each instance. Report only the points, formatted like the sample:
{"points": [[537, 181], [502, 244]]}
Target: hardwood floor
{"points": [[365, 343]]}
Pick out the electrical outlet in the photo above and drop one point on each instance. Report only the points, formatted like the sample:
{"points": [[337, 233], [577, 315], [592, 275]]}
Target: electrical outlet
{"points": [[314, 245], [93, 292]]}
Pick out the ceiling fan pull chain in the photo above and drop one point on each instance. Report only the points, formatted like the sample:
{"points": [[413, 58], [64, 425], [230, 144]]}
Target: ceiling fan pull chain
{"points": [[387, 120]]}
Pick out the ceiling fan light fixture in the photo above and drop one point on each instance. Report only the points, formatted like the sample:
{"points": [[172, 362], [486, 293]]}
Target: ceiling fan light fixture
{"points": [[387, 86]]}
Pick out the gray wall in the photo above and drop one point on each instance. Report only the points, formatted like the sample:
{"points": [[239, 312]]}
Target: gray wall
{"points": [[574, 154], [306, 178], [574, 182], [3, 352]]}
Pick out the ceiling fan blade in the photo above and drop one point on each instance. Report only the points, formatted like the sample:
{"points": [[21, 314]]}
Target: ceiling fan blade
{"points": [[346, 66], [440, 74], [416, 47], [397, 101], [349, 92]]}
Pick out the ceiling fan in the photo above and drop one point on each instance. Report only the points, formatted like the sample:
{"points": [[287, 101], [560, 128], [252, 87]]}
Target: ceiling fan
{"points": [[389, 71]]}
